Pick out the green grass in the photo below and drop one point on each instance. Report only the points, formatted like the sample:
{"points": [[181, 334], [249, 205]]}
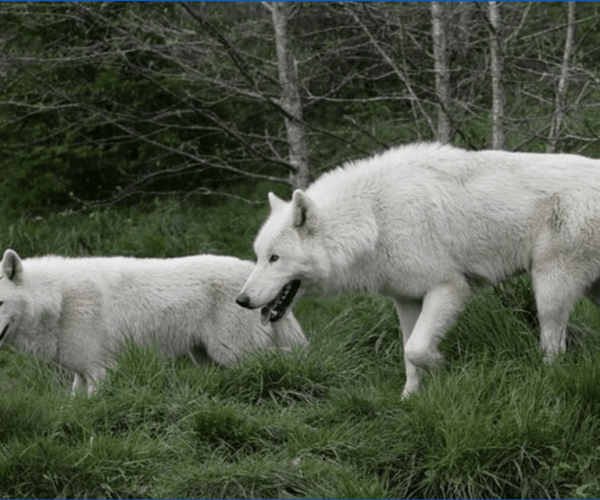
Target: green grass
{"points": [[493, 422]]}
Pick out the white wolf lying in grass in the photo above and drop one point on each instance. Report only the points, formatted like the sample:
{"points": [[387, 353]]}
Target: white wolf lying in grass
{"points": [[76, 311], [425, 224]]}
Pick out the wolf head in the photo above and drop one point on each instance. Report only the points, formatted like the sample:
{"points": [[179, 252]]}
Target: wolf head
{"points": [[289, 258], [11, 278]]}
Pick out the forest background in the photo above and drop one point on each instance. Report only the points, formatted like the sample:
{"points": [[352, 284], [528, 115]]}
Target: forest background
{"points": [[104, 102], [156, 129]]}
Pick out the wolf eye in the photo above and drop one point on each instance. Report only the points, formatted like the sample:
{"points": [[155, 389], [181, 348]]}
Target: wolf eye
{"points": [[273, 258]]}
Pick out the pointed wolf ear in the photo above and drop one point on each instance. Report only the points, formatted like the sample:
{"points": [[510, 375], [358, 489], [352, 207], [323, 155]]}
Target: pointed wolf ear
{"points": [[305, 213], [275, 202], [12, 266]]}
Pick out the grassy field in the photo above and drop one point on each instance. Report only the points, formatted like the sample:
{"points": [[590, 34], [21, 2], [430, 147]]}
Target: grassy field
{"points": [[324, 423]]}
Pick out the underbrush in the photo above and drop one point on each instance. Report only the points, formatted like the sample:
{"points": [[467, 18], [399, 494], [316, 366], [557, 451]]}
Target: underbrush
{"points": [[324, 422]]}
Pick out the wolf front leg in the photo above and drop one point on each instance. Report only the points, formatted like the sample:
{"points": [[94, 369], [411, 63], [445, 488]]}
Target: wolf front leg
{"points": [[440, 308], [408, 314]]}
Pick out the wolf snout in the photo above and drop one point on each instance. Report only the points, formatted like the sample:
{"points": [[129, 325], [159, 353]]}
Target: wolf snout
{"points": [[243, 300]]}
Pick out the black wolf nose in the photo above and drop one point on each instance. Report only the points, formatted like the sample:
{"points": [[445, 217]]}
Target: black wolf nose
{"points": [[243, 300]]}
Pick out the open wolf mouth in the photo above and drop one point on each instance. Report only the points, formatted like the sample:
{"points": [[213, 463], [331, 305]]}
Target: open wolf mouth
{"points": [[276, 309]]}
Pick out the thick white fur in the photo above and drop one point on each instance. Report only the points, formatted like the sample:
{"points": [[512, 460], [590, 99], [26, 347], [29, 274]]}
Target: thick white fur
{"points": [[426, 223], [76, 311]]}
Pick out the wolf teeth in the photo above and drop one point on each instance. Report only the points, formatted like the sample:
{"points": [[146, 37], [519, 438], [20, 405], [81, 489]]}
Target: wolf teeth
{"points": [[284, 294], [277, 309]]}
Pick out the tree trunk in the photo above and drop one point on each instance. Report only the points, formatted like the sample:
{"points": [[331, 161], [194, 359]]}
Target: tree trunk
{"points": [[563, 81], [442, 72], [497, 64], [290, 96]]}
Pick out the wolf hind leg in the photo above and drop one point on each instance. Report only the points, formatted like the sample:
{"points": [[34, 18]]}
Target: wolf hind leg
{"points": [[440, 307], [87, 382], [555, 295], [94, 378], [79, 384]]}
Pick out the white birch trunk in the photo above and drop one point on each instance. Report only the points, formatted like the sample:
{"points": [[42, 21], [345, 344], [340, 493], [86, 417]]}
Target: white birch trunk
{"points": [[290, 96], [441, 70], [563, 81], [497, 64]]}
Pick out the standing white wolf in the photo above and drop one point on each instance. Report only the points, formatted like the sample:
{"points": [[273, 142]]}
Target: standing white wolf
{"points": [[426, 223], [76, 311]]}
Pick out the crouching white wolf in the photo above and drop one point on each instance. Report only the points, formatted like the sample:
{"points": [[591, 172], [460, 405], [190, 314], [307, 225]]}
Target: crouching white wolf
{"points": [[77, 311], [424, 224]]}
